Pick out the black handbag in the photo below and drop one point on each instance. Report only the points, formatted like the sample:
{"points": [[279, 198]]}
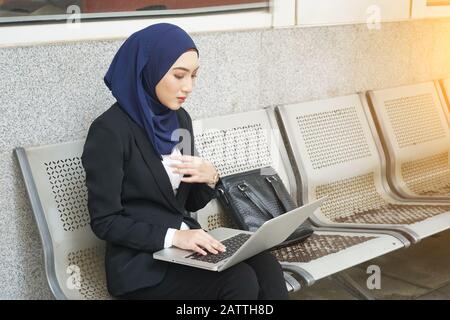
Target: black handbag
{"points": [[255, 196]]}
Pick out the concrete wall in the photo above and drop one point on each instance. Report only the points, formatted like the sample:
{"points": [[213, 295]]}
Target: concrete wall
{"points": [[51, 93]]}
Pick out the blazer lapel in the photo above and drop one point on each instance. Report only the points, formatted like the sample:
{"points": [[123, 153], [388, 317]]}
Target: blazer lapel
{"points": [[184, 187], [156, 167]]}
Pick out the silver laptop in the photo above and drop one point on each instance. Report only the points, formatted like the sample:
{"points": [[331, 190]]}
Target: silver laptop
{"points": [[241, 245]]}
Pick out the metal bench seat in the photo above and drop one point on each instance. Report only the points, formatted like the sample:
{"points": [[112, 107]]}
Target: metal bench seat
{"points": [[74, 257], [335, 153], [414, 133], [251, 140]]}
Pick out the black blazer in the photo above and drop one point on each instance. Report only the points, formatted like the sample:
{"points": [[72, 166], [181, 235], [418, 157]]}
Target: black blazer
{"points": [[130, 199]]}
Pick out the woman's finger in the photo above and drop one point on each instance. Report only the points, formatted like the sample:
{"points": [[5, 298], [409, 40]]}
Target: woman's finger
{"points": [[206, 245], [216, 243], [183, 165], [220, 247], [190, 179], [186, 171], [184, 158], [199, 250]]}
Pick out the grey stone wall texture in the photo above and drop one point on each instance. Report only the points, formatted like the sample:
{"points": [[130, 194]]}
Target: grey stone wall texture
{"points": [[50, 93]]}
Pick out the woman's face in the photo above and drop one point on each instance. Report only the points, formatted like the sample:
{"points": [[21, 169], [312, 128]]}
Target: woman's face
{"points": [[178, 82]]}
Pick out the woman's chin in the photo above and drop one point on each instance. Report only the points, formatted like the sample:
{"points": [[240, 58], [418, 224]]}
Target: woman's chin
{"points": [[174, 107]]}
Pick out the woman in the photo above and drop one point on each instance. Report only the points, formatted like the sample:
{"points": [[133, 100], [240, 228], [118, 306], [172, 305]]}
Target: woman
{"points": [[141, 186]]}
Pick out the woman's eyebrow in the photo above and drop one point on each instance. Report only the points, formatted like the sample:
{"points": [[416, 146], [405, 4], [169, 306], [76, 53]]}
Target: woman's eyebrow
{"points": [[186, 69]]}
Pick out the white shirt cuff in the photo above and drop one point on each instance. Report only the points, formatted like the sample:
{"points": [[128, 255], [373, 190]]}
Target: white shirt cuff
{"points": [[169, 237], [168, 240]]}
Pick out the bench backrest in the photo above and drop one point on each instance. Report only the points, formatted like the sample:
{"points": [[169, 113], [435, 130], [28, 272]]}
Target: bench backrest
{"points": [[55, 180], [238, 143], [414, 130], [74, 256], [336, 155], [445, 89]]}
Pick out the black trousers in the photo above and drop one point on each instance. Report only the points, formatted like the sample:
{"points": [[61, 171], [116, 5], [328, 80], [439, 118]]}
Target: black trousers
{"points": [[259, 277]]}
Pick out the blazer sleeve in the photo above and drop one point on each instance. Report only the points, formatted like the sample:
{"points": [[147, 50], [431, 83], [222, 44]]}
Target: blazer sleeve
{"points": [[200, 193], [199, 196], [103, 160]]}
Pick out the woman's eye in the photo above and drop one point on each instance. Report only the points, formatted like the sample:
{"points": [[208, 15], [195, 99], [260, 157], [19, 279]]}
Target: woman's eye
{"points": [[179, 76]]}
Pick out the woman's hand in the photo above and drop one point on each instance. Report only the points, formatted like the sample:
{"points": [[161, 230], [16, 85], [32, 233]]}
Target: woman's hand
{"points": [[197, 240], [198, 169]]}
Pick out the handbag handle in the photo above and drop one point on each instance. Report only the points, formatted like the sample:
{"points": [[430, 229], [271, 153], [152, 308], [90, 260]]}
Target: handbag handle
{"points": [[273, 181], [248, 192]]}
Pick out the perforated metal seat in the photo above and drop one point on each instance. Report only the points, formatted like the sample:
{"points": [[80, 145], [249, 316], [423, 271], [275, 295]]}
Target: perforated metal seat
{"points": [[335, 153], [74, 256], [416, 138], [246, 141]]}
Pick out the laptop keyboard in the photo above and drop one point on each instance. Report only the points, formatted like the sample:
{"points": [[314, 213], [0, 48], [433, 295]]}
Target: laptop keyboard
{"points": [[232, 244]]}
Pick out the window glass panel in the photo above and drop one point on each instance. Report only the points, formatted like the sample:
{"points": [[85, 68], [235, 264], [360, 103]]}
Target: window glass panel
{"points": [[42, 10]]}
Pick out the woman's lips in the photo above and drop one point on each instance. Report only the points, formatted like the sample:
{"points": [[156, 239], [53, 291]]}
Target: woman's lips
{"points": [[181, 99]]}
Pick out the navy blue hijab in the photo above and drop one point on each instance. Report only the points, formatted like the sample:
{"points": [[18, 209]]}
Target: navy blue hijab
{"points": [[138, 66]]}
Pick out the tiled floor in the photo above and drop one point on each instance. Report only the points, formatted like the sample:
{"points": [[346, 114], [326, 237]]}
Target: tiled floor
{"points": [[421, 271]]}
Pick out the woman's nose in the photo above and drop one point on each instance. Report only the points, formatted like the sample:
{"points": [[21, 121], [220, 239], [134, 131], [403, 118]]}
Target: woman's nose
{"points": [[187, 86]]}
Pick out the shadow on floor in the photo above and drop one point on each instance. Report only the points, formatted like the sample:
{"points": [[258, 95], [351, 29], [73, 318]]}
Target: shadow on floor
{"points": [[421, 271]]}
